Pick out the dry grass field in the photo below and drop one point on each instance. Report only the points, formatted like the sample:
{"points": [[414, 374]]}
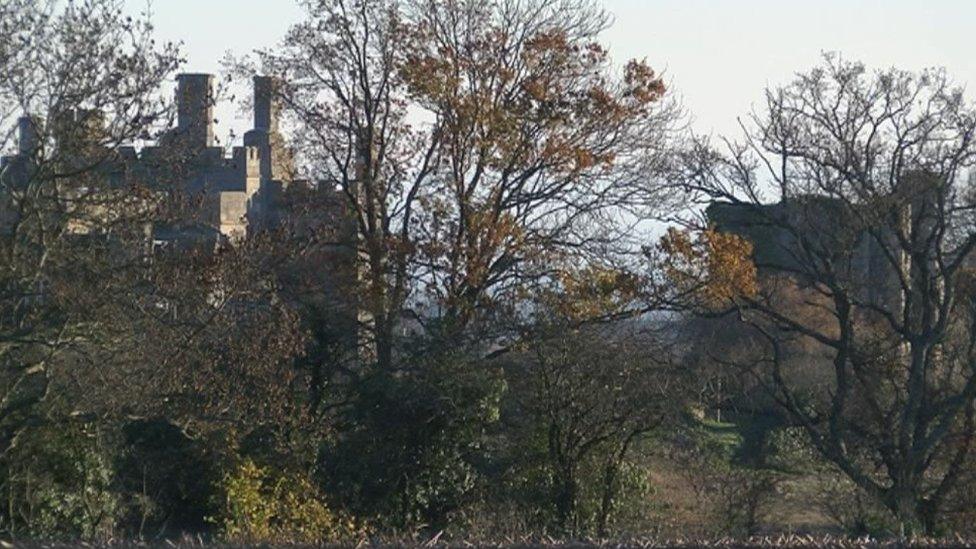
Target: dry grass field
{"points": [[793, 541]]}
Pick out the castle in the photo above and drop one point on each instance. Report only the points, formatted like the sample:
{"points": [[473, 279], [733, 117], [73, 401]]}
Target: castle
{"points": [[795, 236], [209, 199], [785, 234], [225, 198]]}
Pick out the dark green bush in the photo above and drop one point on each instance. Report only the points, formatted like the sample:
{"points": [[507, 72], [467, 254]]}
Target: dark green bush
{"points": [[166, 480], [406, 459]]}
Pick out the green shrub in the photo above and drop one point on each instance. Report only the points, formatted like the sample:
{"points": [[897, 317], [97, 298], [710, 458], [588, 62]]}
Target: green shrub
{"points": [[58, 483], [407, 460], [264, 506]]}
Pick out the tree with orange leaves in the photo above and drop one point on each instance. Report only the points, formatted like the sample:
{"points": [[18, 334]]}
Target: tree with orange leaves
{"points": [[477, 146], [480, 150], [710, 268]]}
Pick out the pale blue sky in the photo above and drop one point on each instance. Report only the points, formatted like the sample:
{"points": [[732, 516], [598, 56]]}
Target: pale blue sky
{"points": [[717, 54]]}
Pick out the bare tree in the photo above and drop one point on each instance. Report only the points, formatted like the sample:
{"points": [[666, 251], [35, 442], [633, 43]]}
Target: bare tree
{"points": [[203, 339], [863, 260], [592, 394]]}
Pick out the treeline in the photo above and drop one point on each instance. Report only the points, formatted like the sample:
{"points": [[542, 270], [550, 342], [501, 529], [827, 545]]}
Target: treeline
{"points": [[462, 326]]}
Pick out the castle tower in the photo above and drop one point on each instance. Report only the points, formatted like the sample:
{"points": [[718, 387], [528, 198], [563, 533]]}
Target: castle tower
{"points": [[195, 105], [27, 135], [266, 105], [276, 161]]}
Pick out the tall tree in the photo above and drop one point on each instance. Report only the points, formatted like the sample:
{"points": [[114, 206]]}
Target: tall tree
{"points": [[864, 261], [476, 146], [476, 150]]}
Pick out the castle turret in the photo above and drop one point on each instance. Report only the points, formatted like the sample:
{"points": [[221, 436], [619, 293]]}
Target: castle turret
{"points": [[276, 160], [247, 163], [266, 106], [195, 104], [27, 135]]}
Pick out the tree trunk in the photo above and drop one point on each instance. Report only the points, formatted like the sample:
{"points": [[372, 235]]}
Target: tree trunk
{"points": [[566, 494], [606, 504], [903, 504]]}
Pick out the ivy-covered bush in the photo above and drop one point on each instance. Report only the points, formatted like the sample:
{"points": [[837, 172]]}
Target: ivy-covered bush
{"points": [[408, 460], [57, 483]]}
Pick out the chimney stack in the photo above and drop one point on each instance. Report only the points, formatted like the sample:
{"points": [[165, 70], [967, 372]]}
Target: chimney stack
{"points": [[195, 106]]}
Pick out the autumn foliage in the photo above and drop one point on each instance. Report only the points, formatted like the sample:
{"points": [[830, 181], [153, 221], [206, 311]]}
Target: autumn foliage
{"points": [[457, 325], [710, 268]]}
